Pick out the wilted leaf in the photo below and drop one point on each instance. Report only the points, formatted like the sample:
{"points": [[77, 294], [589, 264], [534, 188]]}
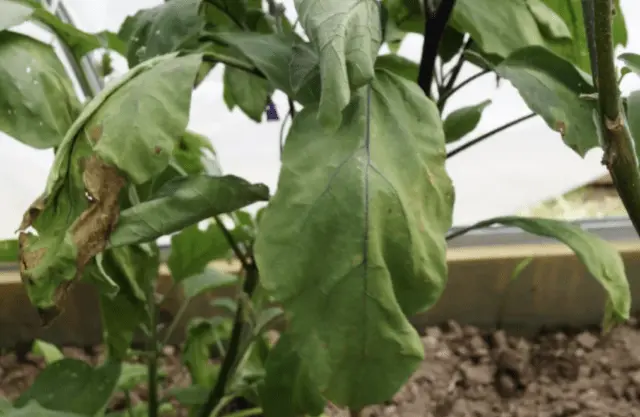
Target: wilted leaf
{"points": [[183, 202], [37, 100], [193, 249], [13, 14], [384, 233], [398, 65], [247, 91], [462, 121], [166, 28], [134, 270], [33, 409], [598, 256], [80, 205], [49, 352], [74, 386], [552, 87], [210, 279], [347, 35]]}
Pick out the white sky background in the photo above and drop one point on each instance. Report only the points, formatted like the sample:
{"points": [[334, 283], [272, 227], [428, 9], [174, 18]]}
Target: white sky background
{"points": [[512, 170]]}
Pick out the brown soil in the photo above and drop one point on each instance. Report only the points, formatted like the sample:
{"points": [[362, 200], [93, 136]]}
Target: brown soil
{"points": [[467, 373]]}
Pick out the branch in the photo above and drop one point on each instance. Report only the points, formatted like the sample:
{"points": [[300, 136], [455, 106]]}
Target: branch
{"points": [[619, 152], [434, 26], [451, 91], [489, 134]]}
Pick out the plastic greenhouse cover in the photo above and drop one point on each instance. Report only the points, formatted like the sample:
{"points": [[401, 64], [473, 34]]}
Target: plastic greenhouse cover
{"points": [[513, 170]]}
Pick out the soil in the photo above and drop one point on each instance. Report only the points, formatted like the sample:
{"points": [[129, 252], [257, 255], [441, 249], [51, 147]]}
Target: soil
{"points": [[466, 373]]}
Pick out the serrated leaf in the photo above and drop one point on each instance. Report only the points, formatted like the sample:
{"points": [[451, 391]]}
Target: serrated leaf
{"points": [[73, 386], [183, 202], [347, 35], [33, 409], [49, 352], [210, 279], [193, 249], [37, 100], [13, 14], [600, 258], [159, 30], [552, 87], [247, 91], [132, 124], [382, 230], [398, 65], [463, 121]]}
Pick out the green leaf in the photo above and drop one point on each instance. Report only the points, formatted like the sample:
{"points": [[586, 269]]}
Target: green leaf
{"points": [[133, 269], [209, 280], [632, 61], [633, 118], [384, 233], [550, 24], [398, 65], [37, 100], [74, 386], [450, 44], [247, 91], [49, 352], [33, 409], [168, 27], [226, 304], [463, 121], [132, 375], [151, 111], [201, 335], [190, 395], [193, 249], [184, 202], [552, 87], [598, 256], [13, 14], [9, 251], [196, 155], [347, 35], [576, 49]]}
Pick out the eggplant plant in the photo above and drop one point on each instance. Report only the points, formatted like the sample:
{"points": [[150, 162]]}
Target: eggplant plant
{"points": [[353, 241]]}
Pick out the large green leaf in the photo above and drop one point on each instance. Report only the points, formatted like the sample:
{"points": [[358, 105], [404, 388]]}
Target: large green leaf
{"points": [[598, 256], [193, 249], [13, 14], [398, 65], [37, 100], [247, 91], [552, 87], [209, 279], [151, 112], [33, 409], [462, 121], [183, 202], [130, 128], [378, 207], [74, 386], [166, 28], [134, 269], [347, 35], [576, 49]]}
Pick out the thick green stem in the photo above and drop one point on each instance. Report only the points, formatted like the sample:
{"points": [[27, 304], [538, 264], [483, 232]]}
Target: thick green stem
{"points": [[619, 152]]}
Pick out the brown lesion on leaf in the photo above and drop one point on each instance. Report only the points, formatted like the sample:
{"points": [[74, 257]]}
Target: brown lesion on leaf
{"points": [[561, 127], [89, 232]]}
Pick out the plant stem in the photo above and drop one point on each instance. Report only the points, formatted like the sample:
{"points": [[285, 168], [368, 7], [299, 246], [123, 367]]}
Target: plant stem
{"points": [[619, 151], [434, 26], [480, 138], [448, 91], [233, 244], [218, 391], [152, 353]]}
